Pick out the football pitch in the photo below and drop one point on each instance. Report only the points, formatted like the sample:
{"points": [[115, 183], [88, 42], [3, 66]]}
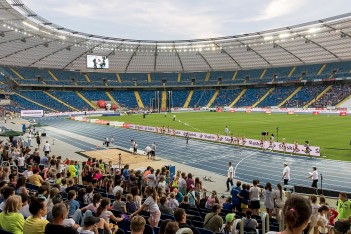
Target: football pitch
{"points": [[330, 132]]}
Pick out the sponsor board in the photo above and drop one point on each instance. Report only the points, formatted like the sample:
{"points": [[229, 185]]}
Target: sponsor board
{"points": [[32, 113], [276, 146]]}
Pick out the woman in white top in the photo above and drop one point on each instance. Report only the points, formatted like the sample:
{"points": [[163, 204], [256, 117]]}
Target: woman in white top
{"points": [[254, 195], [268, 199], [279, 198], [151, 202]]}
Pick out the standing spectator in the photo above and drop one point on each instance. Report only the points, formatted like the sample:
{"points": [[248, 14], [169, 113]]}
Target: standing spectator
{"points": [[244, 197], [278, 197], [213, 221], [314, 177], [286, 174], [59, 213], [343, 206], [191, 196], [211, 200], [230, 176], [137, 225], [35, 224], [314, 218], [254, 194], [269, 199], [172, 202], [38, 139], [47, 148], [322, 220], [235, 199], [11, 220], [226, 130], [151, 202], [153, 150]]}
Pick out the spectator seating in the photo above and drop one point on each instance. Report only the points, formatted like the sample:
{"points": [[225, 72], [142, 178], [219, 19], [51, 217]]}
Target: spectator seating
{"points": [[225, 97], [306, 94], [251, 96], [277, 96], [201, 98], [334, 95]]}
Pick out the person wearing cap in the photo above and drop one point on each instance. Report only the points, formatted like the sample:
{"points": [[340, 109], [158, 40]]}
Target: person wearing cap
{"points": [[59, 213], [229, 220], [213, 221], [90, 225], [286, 174]]}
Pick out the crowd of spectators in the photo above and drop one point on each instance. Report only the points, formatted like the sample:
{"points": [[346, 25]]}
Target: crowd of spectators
{"points": [[43, 193], [334, 95]]}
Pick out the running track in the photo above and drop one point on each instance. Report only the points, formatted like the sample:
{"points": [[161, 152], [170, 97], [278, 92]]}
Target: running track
{"points": [[213, 157]]}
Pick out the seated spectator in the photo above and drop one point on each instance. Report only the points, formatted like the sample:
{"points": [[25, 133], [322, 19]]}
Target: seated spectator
{"points": [[90, 226], [11, 220], [25, 206], [229, 220], [53, 192], [21, 186], [43, 192], [179, 196], [35, 224], [172, 228], [130, 204], [6, 193], [35, 179], [136, 196], [249, 223], [185, 203], [213, 221], [88, 197], [72, 203], [59, 214], [211, 200], [118, 187], [118, 204], [162, 184], [163, 226], [172, 202], [103, 212], [163, 206], [80, 196], [180, 218], [63, 185], [70, 185], [94, 205], [137, 225]]}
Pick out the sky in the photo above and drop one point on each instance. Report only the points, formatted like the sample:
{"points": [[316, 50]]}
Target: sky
{"points": [[182, 19]]}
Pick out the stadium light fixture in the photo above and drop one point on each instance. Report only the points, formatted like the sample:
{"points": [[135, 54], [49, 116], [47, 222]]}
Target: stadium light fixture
{"points": [[31, 26], [268, 38], [313, 30], [284, 35]]}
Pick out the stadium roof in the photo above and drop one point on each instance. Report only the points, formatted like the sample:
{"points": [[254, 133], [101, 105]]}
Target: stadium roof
{"points": [[27, 39]]}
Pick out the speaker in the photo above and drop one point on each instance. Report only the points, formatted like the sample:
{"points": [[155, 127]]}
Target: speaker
{"points": [[43, 134]]}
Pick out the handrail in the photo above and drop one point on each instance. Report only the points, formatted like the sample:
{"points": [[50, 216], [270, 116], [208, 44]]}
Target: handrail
{"points": [[265, 222], [236, 222]]}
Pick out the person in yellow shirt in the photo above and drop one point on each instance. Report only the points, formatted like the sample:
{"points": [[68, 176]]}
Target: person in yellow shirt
{"points": [[11, 220], [72, 170], [35, 179], [35, 224]]}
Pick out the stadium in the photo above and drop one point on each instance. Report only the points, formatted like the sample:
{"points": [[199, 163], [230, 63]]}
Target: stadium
{"points": [[258, 100]]}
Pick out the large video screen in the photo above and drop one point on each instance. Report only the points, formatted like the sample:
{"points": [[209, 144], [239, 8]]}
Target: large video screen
{"points": [[97, 62]]}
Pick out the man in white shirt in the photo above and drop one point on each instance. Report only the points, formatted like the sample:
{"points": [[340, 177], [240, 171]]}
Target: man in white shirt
{"points": [[230, 176], [147, 151], [47, 148], [314, 177], [286, 174], [118, 188]]}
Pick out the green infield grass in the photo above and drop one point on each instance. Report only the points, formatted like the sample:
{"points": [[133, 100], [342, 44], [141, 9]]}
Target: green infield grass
{"points": [[331, 132]]}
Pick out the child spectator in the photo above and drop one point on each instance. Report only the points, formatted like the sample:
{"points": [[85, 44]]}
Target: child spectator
{"points": [[72, 203], [94, 204], [227, 205], [172, 202], [118, 204], [130, 204]]}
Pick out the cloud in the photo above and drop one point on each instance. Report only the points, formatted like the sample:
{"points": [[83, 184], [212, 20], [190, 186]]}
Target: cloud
{"points": [[278, 8], [181, 19]]}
